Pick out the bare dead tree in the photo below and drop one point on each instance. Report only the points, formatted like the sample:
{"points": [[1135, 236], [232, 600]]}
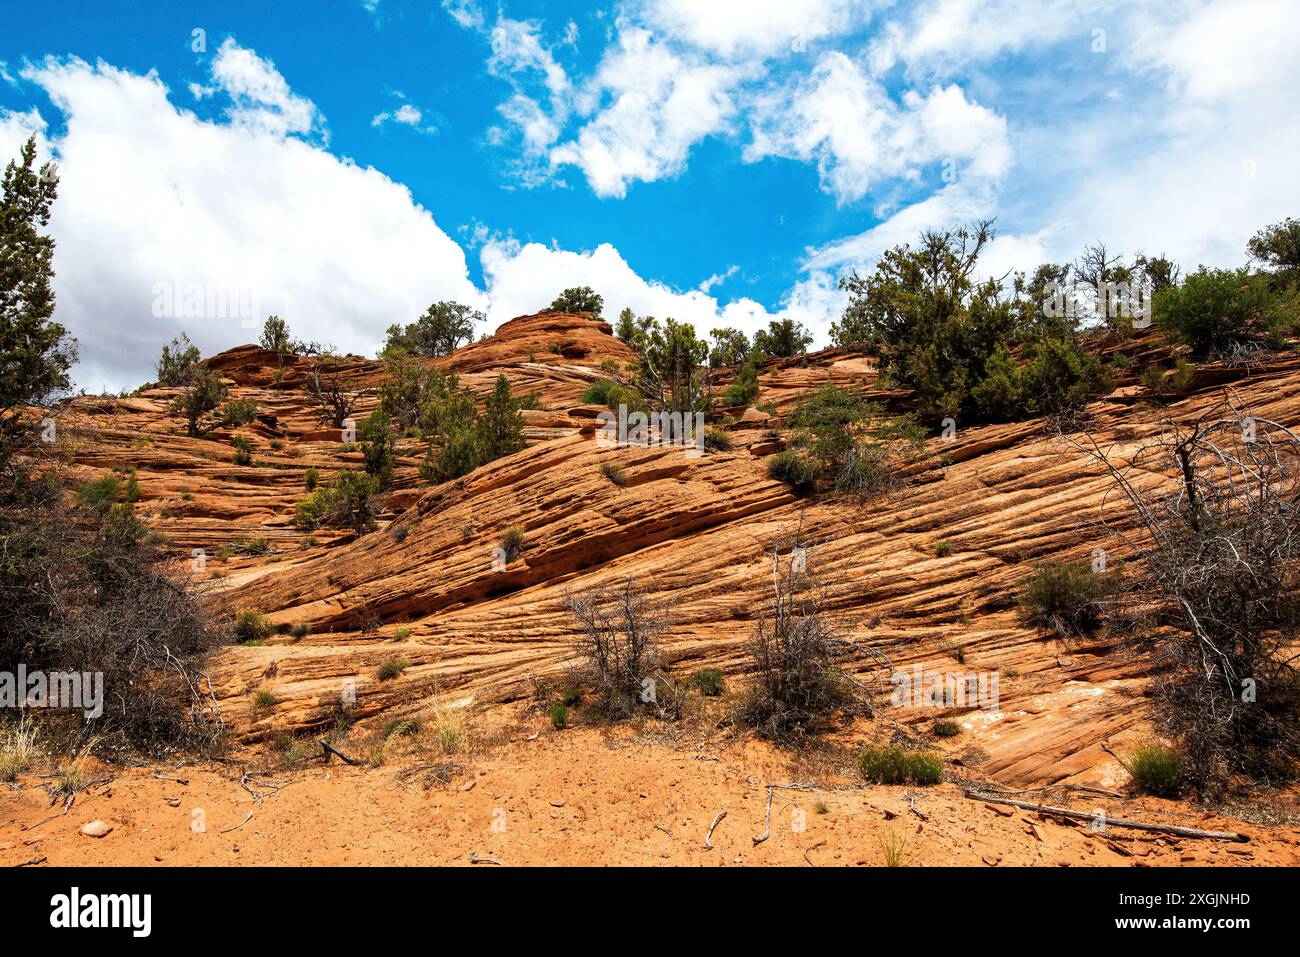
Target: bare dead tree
{"points": [[1217, 548], [796, 651], [325, 384], [618, 643]]}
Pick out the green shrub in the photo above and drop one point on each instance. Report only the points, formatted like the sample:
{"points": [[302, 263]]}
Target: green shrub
{"points": [[797, 472], [251, 625], [613, 473], [238, 412], [347, 502], [598, 392], [709, 681], [300, 630], [717, 440], [243, 450], [559, 715], [1157, 769], [265, 698], [310, 478], [401, 634], [1215, 309], [945, 728], [391, 669], [1067, 597], [943, 549], [610, 365], [101, 494], [259, 545], [895, 765]]}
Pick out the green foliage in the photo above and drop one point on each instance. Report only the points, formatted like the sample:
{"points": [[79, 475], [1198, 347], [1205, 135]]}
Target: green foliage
{"points": [[730, 347], [391, 669], [895, 765], [795, 470], [444, 327], [347, 502], [1215, 309], [275, 335], [670, 369], [238, 412], [559, 715], [177, 361], [1277, 247], [613, 473], [579, 299], [251, 625], [1068, 597], [1059, 377], [598, 392], [850, 441], [1157, 770], [243, 450], [945, 728], [943, 549], [310, 478], [379, 447], [35, 352], [203, 394], [744, 387], [461, 440], [709, 681], [717, 440], [782, 339], [99, 495], [301, 630]]}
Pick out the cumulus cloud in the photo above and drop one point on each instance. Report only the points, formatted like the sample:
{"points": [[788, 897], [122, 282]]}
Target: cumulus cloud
{"points": [[748, 27], [407, 114], [846, 122], [647, 106], [259, 97], [216, 224]]}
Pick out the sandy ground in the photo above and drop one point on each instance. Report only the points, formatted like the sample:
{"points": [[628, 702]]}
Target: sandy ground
{"points": [[581, 796]]}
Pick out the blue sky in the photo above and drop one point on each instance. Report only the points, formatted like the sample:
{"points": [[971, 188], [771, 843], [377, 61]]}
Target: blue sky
{"points": [[346, 163]]}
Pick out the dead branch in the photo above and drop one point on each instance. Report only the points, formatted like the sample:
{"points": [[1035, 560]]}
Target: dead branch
{"points": [[239, 825], [1111, 821], [708, 838], [767, 819], [330, 749], [475, 859]]}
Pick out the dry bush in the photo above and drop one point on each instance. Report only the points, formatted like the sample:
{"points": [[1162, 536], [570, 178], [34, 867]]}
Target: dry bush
{"points": [[81, 592], [1217, 601], [618, 644], [796, 651]]}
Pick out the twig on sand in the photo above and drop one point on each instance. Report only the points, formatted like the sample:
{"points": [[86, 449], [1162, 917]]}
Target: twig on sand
{"points": [[330, 749], [767, 821], [708, 839], [809, 850], [475, 859], [162, 777], [227, 830], [660, 827], [67, 806], [1111, 821], [911, 803], [33, 862]]}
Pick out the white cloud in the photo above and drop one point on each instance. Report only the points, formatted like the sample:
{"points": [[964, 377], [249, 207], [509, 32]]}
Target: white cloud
{"points": [[844, 120], [748, 27], [648, 106], [408, 114], [260, 99], [153, 199], [16, 129], [466, 13]]}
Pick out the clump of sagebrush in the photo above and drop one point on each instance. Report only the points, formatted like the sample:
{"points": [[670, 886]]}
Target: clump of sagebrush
{"points": [[709, 681], [796, 471], [617, 646], [892, 764], [391, 669], [250, 625], [513, 543], [1156, 769], [1068, 598], [850, 441], [798, 682], [614, 473], [1215, 597]]}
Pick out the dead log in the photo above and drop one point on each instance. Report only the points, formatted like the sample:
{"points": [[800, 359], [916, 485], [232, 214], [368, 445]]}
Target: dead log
{"points": [[1110, 821], [330, 749]]}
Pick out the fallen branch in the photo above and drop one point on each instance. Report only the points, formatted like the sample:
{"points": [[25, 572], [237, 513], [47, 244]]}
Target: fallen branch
{"points": [[67, 806], [475, 859], [767, 820], [330, 749], [660, 827], [33, 862], [808, 850], [239, 825], [708, 838], [1112, 821], [163, 777]]}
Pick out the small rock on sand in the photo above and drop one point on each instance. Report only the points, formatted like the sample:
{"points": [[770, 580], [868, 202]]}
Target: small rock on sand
{"points": [[96, 829]]}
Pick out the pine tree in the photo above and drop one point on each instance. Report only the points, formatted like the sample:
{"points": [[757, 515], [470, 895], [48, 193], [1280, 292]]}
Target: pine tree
{"points": [[35, 351]]}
